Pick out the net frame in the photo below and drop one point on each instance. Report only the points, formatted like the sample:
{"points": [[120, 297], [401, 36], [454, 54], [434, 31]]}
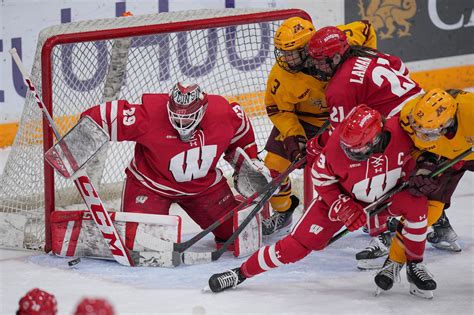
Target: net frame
{"points": [[132, 26]]}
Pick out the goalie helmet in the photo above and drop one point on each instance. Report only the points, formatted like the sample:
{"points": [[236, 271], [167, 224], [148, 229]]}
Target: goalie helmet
{"points": [[37, 302], [290, 41], [433, 114], [361, 132], [90, 306], [186, 107], [324, 47]]}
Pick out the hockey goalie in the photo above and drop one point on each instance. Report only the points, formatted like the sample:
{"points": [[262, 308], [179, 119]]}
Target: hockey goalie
{"points": [[179, 138]]}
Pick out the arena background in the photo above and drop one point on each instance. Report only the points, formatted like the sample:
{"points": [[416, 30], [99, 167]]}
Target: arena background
{"points": [[444, 59]]}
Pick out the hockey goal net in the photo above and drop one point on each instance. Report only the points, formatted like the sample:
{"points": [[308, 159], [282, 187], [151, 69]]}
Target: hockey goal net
{"points": [[81, 64]]}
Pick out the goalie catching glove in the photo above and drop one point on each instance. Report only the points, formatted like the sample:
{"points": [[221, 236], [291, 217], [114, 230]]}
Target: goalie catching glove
{"points": [[250, 175], [349, 211]]}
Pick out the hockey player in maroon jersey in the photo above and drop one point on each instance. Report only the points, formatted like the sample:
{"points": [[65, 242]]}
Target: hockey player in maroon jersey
{"points": [[364, 158], [361, 75], [179, 138]]}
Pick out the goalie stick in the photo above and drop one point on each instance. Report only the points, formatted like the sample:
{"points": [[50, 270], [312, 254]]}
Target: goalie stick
{"points": [[83, 183], [380, 204], [205, 257]]}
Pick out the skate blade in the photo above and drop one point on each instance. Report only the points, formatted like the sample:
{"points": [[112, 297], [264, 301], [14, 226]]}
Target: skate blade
{"points": [[378, 291], [453, 247], [206, 289], [425, 294], [370, 264]]}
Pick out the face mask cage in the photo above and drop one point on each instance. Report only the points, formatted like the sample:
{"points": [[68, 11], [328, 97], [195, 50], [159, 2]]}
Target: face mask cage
{"points": [[361, 153], [291, 60], [430, 134], [185, 124], [322, 69]]}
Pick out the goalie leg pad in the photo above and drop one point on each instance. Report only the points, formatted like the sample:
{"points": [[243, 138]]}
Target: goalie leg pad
{"points": [[250, 239], [75, 234]]}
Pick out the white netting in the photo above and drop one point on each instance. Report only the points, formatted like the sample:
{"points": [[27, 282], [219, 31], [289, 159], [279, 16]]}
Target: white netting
{"points": [[233, 61]]}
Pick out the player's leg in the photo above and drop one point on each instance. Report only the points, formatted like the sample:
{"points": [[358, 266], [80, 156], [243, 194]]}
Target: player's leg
{"points": [[443, 235], [284, 202], [312, 232], [372, 257], [415, 212], [140, 199], [208, 207]]}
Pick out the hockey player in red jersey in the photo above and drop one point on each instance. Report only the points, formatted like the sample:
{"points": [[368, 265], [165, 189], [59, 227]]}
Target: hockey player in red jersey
{"points": [[361, 75], [179, 138], [364, 158]]}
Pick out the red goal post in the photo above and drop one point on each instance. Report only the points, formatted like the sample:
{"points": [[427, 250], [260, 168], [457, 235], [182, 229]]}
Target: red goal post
{"points": [[81, 64]]}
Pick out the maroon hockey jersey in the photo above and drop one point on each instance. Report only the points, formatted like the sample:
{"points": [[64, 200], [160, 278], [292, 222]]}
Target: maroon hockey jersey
{"points": [[334, 173], [382, 83], [164, 163]]}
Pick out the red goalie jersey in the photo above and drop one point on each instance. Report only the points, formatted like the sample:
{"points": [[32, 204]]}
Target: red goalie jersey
{"points": [[164, 163], [334, 173]]}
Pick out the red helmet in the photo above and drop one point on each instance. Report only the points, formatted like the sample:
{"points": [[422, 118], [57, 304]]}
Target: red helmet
{"points": [[37, 302], [325, 44], [186, 107], [360, 132], [94, 307]]}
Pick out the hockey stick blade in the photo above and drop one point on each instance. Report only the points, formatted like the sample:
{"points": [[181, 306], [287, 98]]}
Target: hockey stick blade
{"points": [[190, 258]]}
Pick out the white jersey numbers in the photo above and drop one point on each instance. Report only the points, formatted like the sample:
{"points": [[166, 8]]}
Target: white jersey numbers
{"points": [[129, 116], [400, 84], [193, 163]]}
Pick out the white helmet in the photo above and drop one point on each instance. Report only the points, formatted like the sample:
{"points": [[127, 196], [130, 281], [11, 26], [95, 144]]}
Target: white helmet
{"points": [[186, 107]]}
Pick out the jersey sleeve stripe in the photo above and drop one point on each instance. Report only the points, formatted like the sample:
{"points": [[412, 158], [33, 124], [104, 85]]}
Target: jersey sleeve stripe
{"points": [[321, 175], [238, 135], [103, 117], [113, 120], [397, 109]]}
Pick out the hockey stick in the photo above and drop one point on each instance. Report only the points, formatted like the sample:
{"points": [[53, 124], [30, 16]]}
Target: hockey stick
{"points": [[83, 183], [204, 257], [380, 204]]}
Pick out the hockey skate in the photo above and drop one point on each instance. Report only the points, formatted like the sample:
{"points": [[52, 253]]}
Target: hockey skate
{"points": [[280, 220], [226, 280], [371, 256], [420, 279], [389, 273], [443, 235]]}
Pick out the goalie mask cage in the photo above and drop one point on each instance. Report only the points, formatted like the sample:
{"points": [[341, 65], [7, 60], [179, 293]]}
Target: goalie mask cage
{"points": [[77, 65]]}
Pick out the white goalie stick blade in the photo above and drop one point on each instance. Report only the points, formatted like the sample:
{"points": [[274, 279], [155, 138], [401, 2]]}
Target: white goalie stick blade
{"points": [[155, 259], [194, 258], [251, 176]]}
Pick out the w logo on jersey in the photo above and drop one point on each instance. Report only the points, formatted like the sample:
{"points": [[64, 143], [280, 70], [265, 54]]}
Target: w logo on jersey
{"points": [[372, 188], [193, 163]]}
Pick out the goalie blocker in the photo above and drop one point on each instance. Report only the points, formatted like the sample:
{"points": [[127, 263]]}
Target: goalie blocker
{"points": [[74, 234]]}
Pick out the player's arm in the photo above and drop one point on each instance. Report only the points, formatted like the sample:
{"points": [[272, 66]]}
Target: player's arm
{"points": [[360, 33], [243, 136], [122, 121], [342, 207]]}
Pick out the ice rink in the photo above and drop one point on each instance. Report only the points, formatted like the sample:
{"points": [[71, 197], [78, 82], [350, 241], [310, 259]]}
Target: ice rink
{"points": [[325, 282]]}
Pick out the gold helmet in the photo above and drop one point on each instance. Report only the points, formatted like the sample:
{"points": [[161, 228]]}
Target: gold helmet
{"points": [[433, 114], [290, 41]]}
